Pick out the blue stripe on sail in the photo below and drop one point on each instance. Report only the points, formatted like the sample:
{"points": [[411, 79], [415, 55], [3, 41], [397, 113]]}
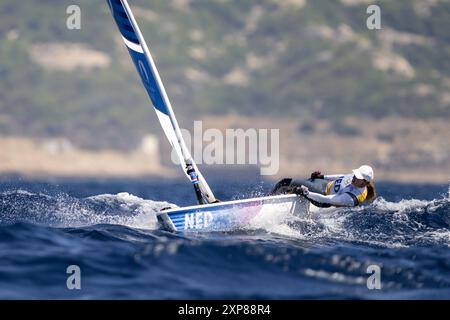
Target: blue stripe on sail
{"points": [[123, 15], [124, 21], [124, 24], [119, 9], [117, 5], [129, 35], [148, 80]]}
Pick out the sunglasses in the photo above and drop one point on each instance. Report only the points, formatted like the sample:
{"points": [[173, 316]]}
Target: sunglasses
{"points": [[355, 178]]}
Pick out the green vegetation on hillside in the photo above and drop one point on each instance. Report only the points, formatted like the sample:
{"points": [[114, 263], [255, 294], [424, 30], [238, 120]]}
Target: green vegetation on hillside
{"points": [[257, 57]]}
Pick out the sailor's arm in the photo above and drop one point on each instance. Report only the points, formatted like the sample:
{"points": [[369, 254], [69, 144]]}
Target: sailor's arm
{"points": [[332, 176], [319, 175], [334, 200]]}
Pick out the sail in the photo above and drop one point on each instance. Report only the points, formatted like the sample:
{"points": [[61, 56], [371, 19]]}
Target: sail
{"points": [[151, 80]]}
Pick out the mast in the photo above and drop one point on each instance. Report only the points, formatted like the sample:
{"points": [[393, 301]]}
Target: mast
{"points": [[151, 80]]}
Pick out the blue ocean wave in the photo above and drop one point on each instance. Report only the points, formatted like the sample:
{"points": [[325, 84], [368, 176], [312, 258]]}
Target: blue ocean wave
{"points": [[115, 240]]}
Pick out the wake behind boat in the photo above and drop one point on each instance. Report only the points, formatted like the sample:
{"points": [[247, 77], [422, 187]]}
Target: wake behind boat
{"points": [[209, 214]]}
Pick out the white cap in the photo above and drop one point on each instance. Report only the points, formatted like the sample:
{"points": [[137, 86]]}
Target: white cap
{"points": [[364, 172]]}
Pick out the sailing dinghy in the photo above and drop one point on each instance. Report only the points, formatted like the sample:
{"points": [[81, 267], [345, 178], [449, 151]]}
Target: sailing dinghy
{"points": [[209, 214]]}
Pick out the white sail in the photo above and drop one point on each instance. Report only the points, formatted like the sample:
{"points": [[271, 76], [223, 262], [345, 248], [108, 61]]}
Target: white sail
{"points": [[151, 80]]}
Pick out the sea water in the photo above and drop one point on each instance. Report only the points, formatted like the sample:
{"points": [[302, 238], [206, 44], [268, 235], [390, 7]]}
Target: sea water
{"points": [[108, 229]]}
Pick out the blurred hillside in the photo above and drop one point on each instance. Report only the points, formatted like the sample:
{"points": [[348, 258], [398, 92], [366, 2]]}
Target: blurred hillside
{"points": [[293, 58]]}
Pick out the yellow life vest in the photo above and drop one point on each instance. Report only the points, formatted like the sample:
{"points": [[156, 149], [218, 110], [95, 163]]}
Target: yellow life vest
{"points": [[334, 186]]}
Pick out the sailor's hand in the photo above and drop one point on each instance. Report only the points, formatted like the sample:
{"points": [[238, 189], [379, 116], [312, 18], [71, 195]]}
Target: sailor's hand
{"points": [[316, 175], [301, 190]]}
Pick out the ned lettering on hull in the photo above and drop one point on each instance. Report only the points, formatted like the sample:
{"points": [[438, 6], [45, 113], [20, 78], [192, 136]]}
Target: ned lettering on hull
{"points": [[197, 220]]}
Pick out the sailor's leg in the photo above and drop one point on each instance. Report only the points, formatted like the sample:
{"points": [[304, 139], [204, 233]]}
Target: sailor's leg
{"points": [[318, 185]]}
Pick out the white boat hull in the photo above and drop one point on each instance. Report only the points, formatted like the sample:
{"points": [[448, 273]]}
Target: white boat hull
{"points": [[229, 215]]}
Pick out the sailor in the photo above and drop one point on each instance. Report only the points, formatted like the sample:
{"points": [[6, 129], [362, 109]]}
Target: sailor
{"points": [[339, 190]]}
